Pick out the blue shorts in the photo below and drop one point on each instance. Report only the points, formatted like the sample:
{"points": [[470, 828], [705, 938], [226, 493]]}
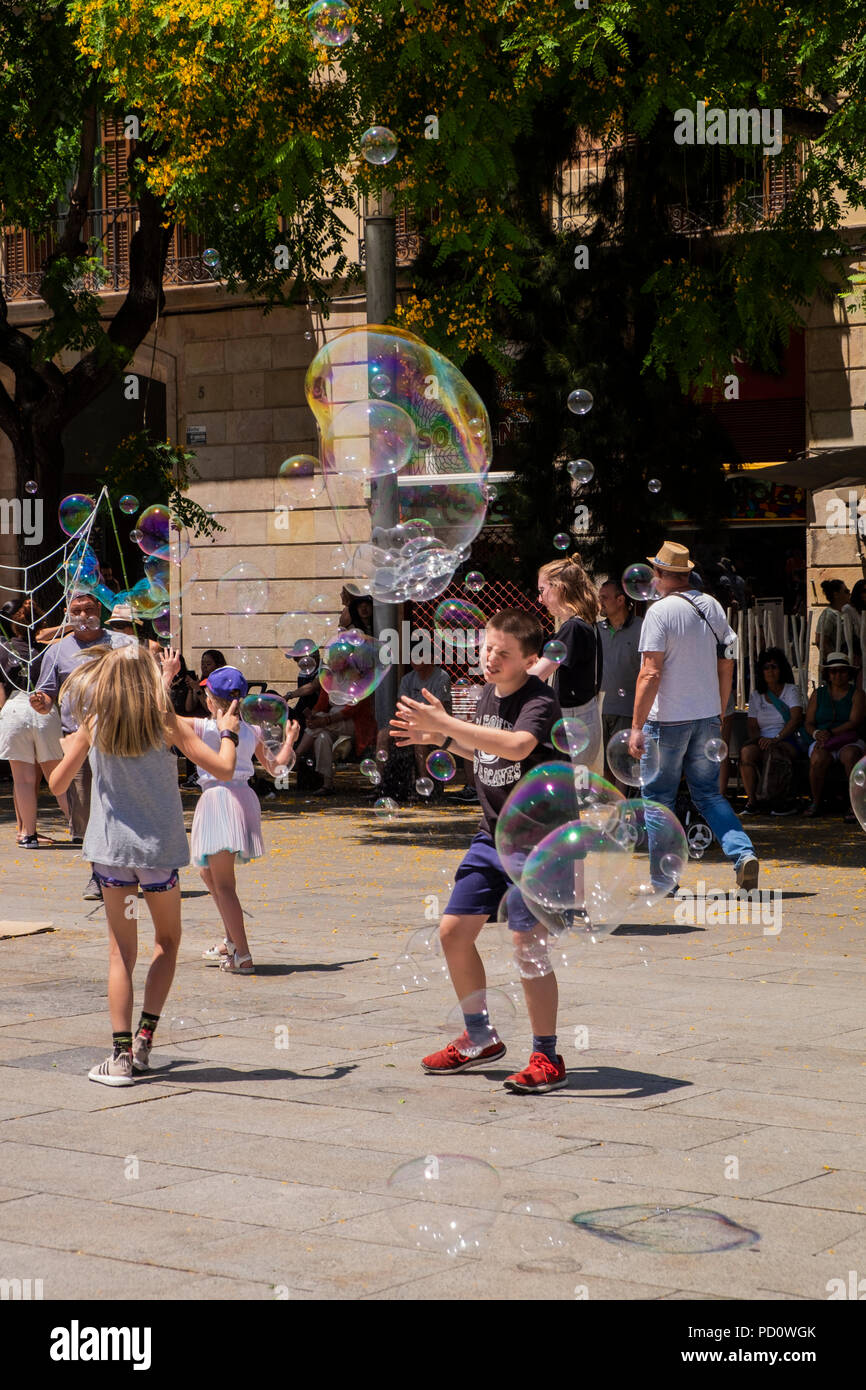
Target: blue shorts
{"points": [[481, 883], [151, 880]]}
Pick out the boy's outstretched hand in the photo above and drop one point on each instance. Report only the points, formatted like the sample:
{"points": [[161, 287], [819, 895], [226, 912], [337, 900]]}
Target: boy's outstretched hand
{"points": [[415, 722]]}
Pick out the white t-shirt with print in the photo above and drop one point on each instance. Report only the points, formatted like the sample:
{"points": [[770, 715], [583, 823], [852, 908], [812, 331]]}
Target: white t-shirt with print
{"points": [[689, 687], [770, 721]]}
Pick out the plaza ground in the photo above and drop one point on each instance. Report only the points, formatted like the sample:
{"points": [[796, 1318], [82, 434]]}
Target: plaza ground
{"points": [[711, 1067]]}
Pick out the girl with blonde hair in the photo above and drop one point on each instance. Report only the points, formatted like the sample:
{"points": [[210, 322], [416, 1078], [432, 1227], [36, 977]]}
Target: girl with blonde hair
{"points": [[569, 595], [135, 835]]}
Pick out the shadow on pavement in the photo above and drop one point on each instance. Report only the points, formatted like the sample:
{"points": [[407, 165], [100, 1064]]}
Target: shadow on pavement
{"points": [[205, 1074]]}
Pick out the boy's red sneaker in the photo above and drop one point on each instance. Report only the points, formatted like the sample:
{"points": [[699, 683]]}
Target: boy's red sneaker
{"points": [[452, 1059], [540, 1075]]}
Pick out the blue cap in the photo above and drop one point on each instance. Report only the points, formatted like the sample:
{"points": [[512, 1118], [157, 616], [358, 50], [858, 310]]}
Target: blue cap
{"points": [[227, 682]]}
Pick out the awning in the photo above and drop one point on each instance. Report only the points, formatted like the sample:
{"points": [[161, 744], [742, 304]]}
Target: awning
{"points": [[825, 469]]}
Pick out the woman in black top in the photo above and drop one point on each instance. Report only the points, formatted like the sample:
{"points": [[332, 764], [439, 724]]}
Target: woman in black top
{"points": [[569, 595]]}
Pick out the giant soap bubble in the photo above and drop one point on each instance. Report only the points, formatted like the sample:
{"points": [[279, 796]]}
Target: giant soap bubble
{"points": [[389, 407], [549, 797]]}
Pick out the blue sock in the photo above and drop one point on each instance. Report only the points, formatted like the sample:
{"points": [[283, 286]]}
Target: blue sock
{"points": [[478, 1028], [545, 1045]]}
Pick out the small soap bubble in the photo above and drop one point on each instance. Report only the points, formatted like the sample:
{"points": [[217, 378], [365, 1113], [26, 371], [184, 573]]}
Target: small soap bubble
{"points": [[424, 787], [580, 401], [638, 582], [671, 866], [635, 772], [330, 23], [654, 485], [74, 512], [378, 145], [31, 488], [386, 807], [382, 755], [135, 535], [307, 665], [716, 750], [441, 765], [211, 257], [368, 768], [308, 335], [562, 540], [581, 470], [128, 504], [380, 384], [474, 582], [570, 735], [555, 651]]}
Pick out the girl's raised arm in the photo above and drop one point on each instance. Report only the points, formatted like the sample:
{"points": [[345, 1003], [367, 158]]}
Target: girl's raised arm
{"points": [[75, 749], [221, 764]]}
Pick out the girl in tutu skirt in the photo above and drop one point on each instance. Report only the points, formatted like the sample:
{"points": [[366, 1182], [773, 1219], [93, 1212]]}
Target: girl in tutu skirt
{"points": [[228, 824]]}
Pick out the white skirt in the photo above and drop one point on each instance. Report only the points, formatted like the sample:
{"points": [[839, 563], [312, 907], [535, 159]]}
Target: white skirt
{"points": [[227, 817]]}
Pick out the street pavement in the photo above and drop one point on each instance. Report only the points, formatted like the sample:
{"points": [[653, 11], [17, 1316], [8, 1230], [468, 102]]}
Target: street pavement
{"points": [[716, 1085]]}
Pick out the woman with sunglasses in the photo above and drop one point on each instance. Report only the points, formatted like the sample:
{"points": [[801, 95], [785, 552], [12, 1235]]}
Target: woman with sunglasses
{"points": [[775, 715]]}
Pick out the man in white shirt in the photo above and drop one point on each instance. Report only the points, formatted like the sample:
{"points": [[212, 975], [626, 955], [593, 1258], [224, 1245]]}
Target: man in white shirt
{"points": [[682, 688]]}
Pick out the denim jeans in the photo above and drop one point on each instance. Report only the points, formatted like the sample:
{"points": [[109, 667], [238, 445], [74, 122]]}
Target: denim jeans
{"points": [[681, 750]]}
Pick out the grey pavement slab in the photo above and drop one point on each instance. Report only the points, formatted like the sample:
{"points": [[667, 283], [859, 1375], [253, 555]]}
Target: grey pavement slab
{"points": [[263, 1170]]}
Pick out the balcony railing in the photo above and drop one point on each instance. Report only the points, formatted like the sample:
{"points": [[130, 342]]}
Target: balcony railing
{"points": [[23, 255]]}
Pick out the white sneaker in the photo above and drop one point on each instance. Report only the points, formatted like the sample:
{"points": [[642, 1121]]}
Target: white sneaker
{"points": [[747, 873], [114, 1071]]}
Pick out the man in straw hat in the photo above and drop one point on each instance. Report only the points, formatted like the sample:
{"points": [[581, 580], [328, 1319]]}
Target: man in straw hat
{"points": [[682, 687]]}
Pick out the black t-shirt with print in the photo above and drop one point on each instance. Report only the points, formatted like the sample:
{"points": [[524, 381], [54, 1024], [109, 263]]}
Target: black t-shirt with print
{"points": [[532, 709], [578, 678]]}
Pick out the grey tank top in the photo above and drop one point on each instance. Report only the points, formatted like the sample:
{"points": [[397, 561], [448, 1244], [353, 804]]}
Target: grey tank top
{"points": [[136, 815]]}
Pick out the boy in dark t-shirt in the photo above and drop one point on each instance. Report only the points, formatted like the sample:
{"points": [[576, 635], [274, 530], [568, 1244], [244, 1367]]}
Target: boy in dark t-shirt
{"points": [[509, 736]]}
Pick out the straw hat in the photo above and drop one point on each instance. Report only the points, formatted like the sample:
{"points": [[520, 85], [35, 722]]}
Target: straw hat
{"points": [[837, 659], [672, 557], [121, 613]]}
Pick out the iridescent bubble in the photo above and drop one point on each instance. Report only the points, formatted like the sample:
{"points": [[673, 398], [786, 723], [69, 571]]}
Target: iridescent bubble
{"points": [[370, 439], [162, 623], [441, 765], [381, 755], [638, 582], [549, 797], [267, 714], [562, 540], [31, 488], [351, 667], [716, 750], [307, 665], [154, 527], [319, 603], [188, 1031], [211, 257], [74, 511], [579, 866], [378, 145], [301, 634], [301, 481], [677, 1231], [580, 401], [424, 787], [385, 807], [243, 590], [457, 615], [555, 651], [474, 582], [128, 504], [540, 1231], [857, 791], [369, 769], [635, 772], [135, 535], [581, 470], [330, 23], [570, 735], [654, 829], [654, 485]]}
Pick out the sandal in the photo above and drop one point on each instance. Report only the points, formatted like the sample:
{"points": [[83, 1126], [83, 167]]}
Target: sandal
{"points": [[234, 964], [216, 953]]}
